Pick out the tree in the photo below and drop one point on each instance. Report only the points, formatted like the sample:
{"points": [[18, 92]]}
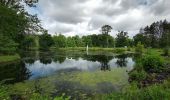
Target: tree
{"points": [[7, 45], [155, 35], [105, 31], [78, 41], [59, 41], [45, 41], [29, 42], [138, 38], [122, 39], [87, 41], [70, 42], [16, 23]]}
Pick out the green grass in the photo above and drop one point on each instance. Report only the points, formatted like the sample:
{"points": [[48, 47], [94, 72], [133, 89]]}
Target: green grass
{"points": [[9, 58], [132, 92], [84, 48]]}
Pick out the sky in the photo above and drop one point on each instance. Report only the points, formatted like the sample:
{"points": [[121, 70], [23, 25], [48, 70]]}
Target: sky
{"points": [[85, 17]]}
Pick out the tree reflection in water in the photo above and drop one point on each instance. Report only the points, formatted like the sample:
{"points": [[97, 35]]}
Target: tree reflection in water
{"points": [[45, 58], [122, 60], [14, 72], [103, 59]]}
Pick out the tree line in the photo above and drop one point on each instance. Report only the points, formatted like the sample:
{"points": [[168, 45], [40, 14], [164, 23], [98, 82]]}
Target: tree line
{"points": [[18, 32], [157, 35]]}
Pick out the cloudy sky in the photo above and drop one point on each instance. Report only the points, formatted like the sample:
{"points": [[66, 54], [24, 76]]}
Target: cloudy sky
{"points": [[84, 17]]}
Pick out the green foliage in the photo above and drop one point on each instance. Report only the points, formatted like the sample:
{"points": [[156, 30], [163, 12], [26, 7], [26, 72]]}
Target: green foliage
{"points": [[71, 42], [59, 41], [101, 40], [87, 40], [106, 29], [139, 48], [151, 36], [3, 92], [15, 24], [166, 51], [132, 92], [12, 24], [63, 97], [7, 45], [139, 38], [119, 50], [152, 63], [45, 41], [28, 42], [9, 58], [37, 96], [128, 49], [138, 75], [122, 39]]}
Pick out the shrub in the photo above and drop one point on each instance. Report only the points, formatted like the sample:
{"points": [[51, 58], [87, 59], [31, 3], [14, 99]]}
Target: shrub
{"points": [[138, 75], [139, 48], [152, 63]]}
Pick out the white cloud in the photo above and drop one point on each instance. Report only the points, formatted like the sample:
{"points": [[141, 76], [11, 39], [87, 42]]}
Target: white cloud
{"points": [[82, 17]]}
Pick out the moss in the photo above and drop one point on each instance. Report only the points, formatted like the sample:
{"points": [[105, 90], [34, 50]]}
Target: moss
{"points": [[117, 76]]}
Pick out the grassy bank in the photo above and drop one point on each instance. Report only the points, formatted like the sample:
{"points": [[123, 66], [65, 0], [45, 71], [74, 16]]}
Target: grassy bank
{"points": [[132, 92], [9, 58], [114, 50], [154, 84]]}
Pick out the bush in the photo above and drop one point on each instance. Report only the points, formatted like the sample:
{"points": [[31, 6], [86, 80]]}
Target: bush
{"points": [[139, 48], [152, 63], [138, 75]]}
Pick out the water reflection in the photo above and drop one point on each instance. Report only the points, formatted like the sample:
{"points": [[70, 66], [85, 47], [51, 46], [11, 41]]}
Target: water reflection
{"points": [[53, 62], [102, 59], [122, 60], [39, 64], [45, 58], [14, 72]]}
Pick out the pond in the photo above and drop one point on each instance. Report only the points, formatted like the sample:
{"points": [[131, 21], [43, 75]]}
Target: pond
{"points": [[92, 72]]}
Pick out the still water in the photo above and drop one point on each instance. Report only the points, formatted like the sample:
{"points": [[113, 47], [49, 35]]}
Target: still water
{"points": [[37, 64]]}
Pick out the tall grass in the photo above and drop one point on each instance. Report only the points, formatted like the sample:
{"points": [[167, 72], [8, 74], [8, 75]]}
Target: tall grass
{"points": [[132, 92]]}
